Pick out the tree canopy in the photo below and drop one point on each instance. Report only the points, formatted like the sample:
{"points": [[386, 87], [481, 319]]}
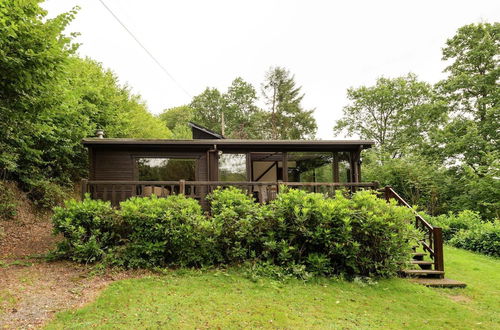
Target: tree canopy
{"points": [[50, 99], [396, 113], [287, 118]]}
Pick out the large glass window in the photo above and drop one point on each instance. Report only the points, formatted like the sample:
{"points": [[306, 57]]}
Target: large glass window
{"points": [[233, 167], [166, 169], [310, 167], [344, 167]]}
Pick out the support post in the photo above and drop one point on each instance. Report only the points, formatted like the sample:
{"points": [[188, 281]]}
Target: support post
{"points": [[182, 187], [437, 234], [387, 193], [335, 165], [285, 166], [84, 188]]}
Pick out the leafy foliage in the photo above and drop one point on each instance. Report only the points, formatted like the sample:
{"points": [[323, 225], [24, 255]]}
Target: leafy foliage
{"points": [[243, 119], [467, 230], [88, 227], [8, 203], [418, 181], [165, 231], [451, 224], [300, 234], [484, 238], [50, 99], [395, 113], [288, 120], [240, 224], [358, 236], [236, 109]]}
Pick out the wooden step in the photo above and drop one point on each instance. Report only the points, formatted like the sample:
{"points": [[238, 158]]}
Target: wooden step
{"points": [[421, 262], [439, 282], [422, 272]]}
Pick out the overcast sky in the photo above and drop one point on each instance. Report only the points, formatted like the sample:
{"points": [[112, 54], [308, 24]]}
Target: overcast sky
{"points": [[329, 45]]}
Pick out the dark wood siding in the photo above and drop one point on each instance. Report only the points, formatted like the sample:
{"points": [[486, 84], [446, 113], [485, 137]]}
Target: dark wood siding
{"points": [[119, 164]]}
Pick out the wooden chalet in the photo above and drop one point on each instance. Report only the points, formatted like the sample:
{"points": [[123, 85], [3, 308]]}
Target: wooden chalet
{"points": [[122, 168]]}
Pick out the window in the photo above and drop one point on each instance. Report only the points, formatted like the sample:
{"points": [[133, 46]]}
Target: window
{"points": [[233, 167], [310, 167], [166, 169]]}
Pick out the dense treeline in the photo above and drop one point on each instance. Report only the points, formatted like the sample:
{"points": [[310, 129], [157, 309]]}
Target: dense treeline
{"points": [[50, 99], [236, 114], [437, 145]]}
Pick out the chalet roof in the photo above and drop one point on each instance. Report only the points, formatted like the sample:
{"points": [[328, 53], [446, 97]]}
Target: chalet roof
{"points": [[207, 132], [235, 145]]}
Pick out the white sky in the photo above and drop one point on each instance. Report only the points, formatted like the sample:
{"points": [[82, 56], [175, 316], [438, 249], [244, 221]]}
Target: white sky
{"points": [[329, 46]]}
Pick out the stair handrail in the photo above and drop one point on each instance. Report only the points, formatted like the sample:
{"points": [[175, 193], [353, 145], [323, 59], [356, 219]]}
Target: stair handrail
{"points": [[434, 245]]}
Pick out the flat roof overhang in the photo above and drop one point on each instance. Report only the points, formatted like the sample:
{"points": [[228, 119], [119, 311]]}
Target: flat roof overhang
{"points": [[232, 145]]}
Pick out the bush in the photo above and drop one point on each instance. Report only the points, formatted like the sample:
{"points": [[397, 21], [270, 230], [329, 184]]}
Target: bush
{"points": [[88, 227], [383, 234], [166, 231], [8, 203], [46, 194], [299, 234], [451, 224], [359, 236], [483, 238], [239, 224]]}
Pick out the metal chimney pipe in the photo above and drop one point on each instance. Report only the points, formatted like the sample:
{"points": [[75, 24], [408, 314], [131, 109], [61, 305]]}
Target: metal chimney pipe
{"points": [[100, 133]]}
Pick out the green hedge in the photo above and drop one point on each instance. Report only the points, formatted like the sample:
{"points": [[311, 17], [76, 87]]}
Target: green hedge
{"points": [[298, 233], [468, 231], [165, 231], [89, 228]]}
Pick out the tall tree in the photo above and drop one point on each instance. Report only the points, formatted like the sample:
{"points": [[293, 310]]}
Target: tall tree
{"points": [[397, 113], [473, 96], [287, 118], [209, 109], [470, 142], [177, 116], [233, 113], [33, 51]]}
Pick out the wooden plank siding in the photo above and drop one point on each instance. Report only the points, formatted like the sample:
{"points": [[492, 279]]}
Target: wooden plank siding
{"points": [[116, 159]]}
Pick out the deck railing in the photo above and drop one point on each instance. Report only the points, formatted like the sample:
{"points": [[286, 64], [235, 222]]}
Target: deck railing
{"points": [[116, 191], [432, 241]]}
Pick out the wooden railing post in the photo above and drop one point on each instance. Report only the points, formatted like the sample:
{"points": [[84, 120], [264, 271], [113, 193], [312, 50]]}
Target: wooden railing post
{"points": [[182, 187], [437, 234], [387, 193], [84, 188]]}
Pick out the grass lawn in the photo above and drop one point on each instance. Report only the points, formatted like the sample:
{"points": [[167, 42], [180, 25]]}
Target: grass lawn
{"points": [[213, 299]]}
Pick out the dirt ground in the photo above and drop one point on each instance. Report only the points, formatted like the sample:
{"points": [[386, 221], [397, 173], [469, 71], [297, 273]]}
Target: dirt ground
{"points": [[32, 290]]}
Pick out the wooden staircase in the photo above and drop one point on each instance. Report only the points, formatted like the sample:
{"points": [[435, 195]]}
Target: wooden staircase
{"points": [[428, 256]]}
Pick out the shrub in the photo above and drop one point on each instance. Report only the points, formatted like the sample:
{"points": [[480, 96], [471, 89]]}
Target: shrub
{"points": [[359, 236], [239, 222], [309, 228], [299, 234], [46, 194], [88, 229], [166, 231], [383, 234], [451, 224], [8, 203], [483, 238]]}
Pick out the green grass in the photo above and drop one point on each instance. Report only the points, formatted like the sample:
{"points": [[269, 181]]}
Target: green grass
{"points": [[216, 299]]}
